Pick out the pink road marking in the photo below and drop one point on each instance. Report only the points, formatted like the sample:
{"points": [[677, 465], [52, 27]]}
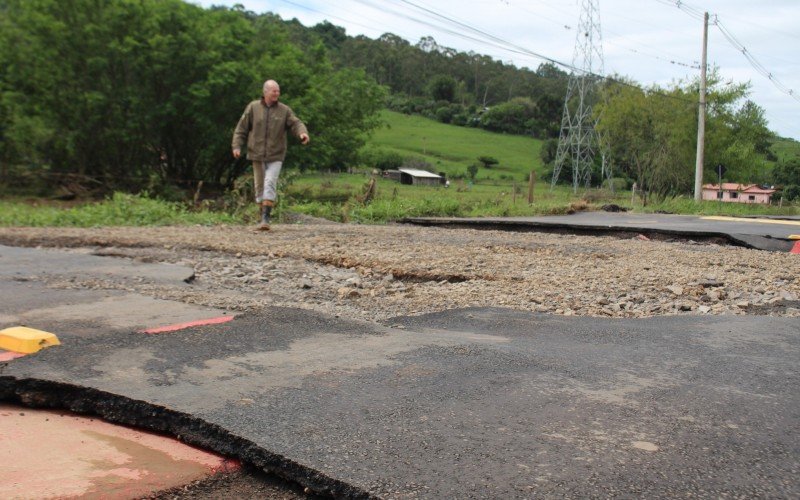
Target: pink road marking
{"points": [[188, 324], [795, 248], [9, 355]]}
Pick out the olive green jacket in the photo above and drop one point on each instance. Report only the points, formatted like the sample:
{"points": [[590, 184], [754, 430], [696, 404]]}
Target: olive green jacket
{"points": [[264, 128]]}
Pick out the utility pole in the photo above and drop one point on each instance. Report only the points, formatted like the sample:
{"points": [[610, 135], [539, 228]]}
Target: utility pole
{"points": [[701, 118], [578, 141]]}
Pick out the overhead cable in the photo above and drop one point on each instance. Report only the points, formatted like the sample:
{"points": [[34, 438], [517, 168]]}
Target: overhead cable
{"points": [[760, 69]]}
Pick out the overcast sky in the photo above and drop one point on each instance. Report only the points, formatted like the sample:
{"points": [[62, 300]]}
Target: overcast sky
{"points": [[650, 41]]}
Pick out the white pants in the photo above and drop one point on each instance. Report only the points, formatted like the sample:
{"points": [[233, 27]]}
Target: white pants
{"points": [[265, 177]]}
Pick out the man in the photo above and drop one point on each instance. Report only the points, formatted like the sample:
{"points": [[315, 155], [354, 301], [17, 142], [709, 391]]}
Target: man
{"points": [[263, 126]]}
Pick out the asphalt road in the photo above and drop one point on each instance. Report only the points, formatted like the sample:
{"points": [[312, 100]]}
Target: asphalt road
{"points": [[764, 233], [470, 403]]}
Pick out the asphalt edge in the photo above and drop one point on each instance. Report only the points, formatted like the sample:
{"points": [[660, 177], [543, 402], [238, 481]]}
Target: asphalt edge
{"points": [[739, 240], [38, 393]]}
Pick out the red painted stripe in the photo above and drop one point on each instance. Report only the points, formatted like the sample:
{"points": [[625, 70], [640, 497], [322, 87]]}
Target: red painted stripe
{"points": [[9, 355], [795, 248], [189, 324]]}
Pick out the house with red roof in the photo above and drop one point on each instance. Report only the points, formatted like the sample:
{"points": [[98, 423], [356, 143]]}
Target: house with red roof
{"points": [[738, 193]]}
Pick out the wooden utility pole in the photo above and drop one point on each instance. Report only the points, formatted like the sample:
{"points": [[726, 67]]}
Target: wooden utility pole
{"points": [[531, 182], [701, 118]]}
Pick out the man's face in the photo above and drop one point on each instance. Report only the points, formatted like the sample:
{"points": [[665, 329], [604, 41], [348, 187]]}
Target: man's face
{"points": [[271, 94]]}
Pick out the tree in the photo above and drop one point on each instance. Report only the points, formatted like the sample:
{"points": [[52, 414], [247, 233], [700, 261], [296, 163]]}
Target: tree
{"points": [[652, 133], [472, 171], [488, 161], [646, 141], [515, 116], [147, 92], [786, 174], [442, 88]]}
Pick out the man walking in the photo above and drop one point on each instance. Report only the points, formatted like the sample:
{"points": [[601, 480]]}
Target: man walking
{"points": [[263, 127]]}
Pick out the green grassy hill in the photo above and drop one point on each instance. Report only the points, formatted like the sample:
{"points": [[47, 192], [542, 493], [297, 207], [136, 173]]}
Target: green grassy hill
{"points": [[786, 148], [451, 149]]}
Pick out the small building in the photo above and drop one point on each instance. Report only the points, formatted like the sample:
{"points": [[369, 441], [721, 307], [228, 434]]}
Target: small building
{"points": [[738, 193], [423, 177]]}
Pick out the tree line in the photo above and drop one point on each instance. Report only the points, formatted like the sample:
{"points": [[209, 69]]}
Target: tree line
{"points": [[136, 94]]}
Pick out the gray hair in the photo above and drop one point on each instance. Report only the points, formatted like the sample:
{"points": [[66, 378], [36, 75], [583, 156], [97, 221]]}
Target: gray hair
{"points": [[269, 83]]}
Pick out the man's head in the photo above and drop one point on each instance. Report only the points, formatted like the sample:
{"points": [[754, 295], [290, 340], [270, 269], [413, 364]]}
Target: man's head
{"points": [[272, 91]]}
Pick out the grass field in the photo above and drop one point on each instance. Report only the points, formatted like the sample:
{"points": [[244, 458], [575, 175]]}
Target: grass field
{"points": [[452, 149]]}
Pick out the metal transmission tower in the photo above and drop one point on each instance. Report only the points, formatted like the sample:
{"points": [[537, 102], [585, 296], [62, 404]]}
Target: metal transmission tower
{"points": [[578, 141]]}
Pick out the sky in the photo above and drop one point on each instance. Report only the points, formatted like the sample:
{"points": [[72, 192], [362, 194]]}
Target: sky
{"points": [[649, 41]]}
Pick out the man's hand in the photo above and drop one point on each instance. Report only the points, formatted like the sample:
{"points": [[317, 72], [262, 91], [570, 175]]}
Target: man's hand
{"points": [[304, 139], [237, 153]]}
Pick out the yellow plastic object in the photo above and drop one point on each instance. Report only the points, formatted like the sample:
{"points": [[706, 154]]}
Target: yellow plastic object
{"points": [[26, 340], [794, 236]]}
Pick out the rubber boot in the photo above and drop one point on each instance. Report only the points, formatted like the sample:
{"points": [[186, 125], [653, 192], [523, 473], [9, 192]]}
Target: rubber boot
{"points": [[266, 211]]}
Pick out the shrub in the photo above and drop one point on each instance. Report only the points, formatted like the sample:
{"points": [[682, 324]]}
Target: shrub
{"points": [[617, 184], [791, 192]]}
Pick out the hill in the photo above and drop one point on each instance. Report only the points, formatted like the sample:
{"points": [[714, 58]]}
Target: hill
{"points": [[451, 149]]}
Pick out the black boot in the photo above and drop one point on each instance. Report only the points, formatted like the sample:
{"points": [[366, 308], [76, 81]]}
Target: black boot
{"points": [[266, 211]]}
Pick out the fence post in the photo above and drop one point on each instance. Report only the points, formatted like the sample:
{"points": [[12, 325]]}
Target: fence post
{"points": [[531, 181]]}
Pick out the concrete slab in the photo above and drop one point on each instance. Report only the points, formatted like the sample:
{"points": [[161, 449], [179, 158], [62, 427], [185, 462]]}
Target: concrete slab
{"points": [[472, 403], [767, 233], [89, 458]]}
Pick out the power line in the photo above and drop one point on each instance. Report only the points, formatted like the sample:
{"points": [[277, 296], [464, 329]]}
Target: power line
{"points": [[485, 38], [754, 62], [697, 14], [760, 69], [331, 16], [669, 58]]}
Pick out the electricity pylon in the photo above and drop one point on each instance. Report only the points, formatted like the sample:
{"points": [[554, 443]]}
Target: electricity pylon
{"points": [[578, 141]]}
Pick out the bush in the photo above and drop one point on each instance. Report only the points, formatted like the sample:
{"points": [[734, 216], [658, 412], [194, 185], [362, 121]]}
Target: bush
{"points": [[791, 192], [444, 114], [472, 171], [617, 184], [488, 161]]}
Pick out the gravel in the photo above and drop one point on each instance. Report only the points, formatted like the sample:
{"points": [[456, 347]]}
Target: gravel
{"points": [[377, 272]]}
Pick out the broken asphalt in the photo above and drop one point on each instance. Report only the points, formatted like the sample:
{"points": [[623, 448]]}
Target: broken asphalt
{"points": [[762, 233], [470, 403]]}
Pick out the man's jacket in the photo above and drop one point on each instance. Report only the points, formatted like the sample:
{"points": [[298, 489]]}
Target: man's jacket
{"points": [[264, 128]]}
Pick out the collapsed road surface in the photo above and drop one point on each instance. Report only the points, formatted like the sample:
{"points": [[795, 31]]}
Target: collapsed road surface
{"points": [[688, 386], [777, 234]]}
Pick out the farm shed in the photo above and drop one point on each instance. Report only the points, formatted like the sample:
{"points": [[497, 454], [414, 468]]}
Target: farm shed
{"points": [[415, 176]]}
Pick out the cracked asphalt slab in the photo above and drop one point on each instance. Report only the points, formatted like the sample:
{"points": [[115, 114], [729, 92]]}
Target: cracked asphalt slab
{"points": [[470, 403], [761, 233]]}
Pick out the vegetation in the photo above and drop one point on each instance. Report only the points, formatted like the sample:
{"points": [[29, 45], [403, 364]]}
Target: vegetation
{"points": [[126, 95], [121, 209], [453, 150], [652, 135], [100, 98]]}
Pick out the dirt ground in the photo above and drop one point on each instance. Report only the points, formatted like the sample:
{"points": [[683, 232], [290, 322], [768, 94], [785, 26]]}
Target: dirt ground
{"points": [[248, 483]]}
